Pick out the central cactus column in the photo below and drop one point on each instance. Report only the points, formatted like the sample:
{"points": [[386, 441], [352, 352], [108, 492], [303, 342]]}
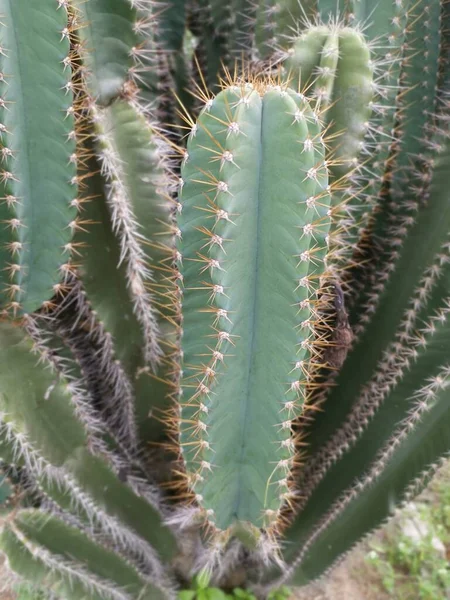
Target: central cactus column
{"points": [[254, 220]]}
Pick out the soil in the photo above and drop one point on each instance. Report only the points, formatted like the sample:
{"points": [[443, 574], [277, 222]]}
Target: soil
{"points": [[351, 580]]}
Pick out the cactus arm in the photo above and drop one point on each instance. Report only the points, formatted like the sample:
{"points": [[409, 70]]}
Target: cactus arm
{"points": [[382, 416], [118, 332], [326, 72], [404, 158], [266, 29], [420, 77], [385, 28], [119, 501], [408, 456], [108, 258], [421, 249], [412, 368], [349, 116], [42, 414], [332, 65], [292, 17], [243, 32], [212, 24], [352, 95], [108, 38], [38, 170], [42, 404], [304, 58], [145, 69], [39, 566], [68, 544], [252, 323], [141, 212]]}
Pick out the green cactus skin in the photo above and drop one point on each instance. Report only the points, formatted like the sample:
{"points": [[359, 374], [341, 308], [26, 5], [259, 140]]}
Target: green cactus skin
{"points": [[6, 490], [171, 25], [38, 182], [266, 28], [243, 30], [385, 29], [351, 100], [208, 24], [304, 57], [420, 77], [49, 542], [332, 10], [293, 17], [37, 565], [230, 223], [327, 69], [118, 49]]}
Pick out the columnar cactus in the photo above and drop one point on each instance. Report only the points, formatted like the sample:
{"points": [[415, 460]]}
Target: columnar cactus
{"points": [[224, 287], [253, 227]]}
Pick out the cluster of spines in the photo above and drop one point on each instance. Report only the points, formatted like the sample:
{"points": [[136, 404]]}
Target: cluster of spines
{"points": [[118, 406]]}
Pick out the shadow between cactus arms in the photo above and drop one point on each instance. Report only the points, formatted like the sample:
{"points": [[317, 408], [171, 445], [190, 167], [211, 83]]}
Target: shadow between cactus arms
{"points": [[224, 288]]}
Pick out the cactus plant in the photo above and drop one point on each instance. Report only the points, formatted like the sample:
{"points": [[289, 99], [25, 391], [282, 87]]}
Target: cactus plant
{"points": [[224, 287]]}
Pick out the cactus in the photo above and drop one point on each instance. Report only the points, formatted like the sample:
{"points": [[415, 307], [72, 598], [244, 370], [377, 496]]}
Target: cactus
{"points": [[224, 305], [224, 310]]}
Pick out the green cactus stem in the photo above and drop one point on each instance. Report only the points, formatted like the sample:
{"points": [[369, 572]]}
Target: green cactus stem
{"points": [[253, 227], [38, 171]]}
